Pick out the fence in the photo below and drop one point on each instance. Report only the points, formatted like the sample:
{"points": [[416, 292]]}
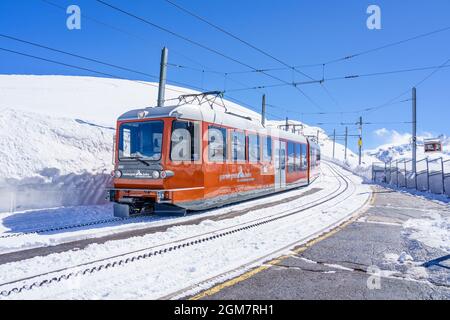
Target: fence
{"points": [[432, 175]]}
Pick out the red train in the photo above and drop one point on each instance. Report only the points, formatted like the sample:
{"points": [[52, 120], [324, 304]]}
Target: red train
{"points": [[197, 156]]}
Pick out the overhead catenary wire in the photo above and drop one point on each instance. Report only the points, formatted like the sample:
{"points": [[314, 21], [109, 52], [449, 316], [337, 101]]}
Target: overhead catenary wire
{"points": [[123, 78], [207, 70], [358, 111], [346, 77], [196, 43], [351, 56], [84, 69], [392, 44], [235, 37], [140, 38], [417, 84], [327, 91], [98, 72], [89, 59], [348, 57]]}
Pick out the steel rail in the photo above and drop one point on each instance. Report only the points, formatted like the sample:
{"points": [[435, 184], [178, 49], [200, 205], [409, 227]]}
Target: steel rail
{"points": [[226, 275], [153, 251]]}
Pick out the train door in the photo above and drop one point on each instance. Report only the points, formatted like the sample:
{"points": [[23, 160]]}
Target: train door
{"points": [[283, 149], [279, 152]]}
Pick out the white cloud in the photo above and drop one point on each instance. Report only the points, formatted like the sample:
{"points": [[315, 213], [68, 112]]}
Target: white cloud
{"points": [[392, 137], [381, 132]]}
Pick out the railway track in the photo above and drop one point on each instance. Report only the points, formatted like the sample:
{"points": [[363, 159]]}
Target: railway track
{"points": [[114, 221], [69, 227], [137, 226], [193, 289], [55, 276]]}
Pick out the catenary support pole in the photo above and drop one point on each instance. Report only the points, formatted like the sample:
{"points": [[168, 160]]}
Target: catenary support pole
{"points": [[263, 111], [162, 77], [360, 140], [414, 132]]}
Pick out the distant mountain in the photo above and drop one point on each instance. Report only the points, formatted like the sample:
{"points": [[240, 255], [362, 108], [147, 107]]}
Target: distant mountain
{"points": [[393, 151]]}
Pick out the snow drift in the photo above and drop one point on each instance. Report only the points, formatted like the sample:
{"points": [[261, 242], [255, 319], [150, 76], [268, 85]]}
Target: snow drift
{"points": [[56, 136], [48, 161]]}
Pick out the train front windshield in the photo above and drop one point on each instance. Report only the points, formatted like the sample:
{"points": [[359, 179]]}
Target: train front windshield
{"points": [[141, 140]]}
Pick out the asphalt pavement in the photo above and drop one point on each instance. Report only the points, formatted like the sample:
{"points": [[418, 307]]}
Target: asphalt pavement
{"points": [[373, 257]]}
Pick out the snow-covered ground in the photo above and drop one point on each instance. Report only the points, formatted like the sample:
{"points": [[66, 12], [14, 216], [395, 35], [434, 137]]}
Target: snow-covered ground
{"points": [[56, 135], [152, 278], [433, 230], [55, 156], [400, 147], [92, 99], [13, 225]]}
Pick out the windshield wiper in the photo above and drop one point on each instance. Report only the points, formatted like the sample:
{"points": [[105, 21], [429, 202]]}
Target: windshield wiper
{"points": [[140, 160]]}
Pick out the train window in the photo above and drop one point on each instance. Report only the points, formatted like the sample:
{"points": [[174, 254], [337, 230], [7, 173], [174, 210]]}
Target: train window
{"points": [[298, 156], [282, 156], [217, 144], [267, 149], [291, 156], [304, 159], [238, 146], [141, 140], [253, 148], [185, 142]]}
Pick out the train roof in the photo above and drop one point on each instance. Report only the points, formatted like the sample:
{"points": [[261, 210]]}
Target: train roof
{"points": [[236, 117]]}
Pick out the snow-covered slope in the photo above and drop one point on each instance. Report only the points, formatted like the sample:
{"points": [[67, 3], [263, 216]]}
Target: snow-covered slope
{"points": [[93, 99], [65, 123], [36, 145], [326, 145], [402, 148], [48, 161], [98, 100], [56, 134]]}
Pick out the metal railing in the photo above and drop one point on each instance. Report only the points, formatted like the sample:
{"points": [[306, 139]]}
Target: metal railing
{"points": [[432, 175]]}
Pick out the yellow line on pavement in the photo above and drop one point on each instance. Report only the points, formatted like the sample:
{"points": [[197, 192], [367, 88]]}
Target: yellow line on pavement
{"points": [[276, 261]]}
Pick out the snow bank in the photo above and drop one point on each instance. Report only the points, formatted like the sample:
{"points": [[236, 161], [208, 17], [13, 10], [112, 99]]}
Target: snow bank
{"points": [[93, 99], [48, 161], [401, 149], [50, 157], [39, 146], [433, 231], [56, 136], [326, 145]]}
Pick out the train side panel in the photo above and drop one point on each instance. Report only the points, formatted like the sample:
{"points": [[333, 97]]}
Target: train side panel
{"points": [[223, 164]]}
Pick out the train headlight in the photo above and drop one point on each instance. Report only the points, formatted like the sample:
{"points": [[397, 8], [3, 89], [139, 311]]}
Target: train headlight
{"points": [[155, 174], [117, 173]]}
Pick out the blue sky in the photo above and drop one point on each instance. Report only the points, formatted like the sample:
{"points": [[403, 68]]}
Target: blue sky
{"points": [[298, 32]]}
